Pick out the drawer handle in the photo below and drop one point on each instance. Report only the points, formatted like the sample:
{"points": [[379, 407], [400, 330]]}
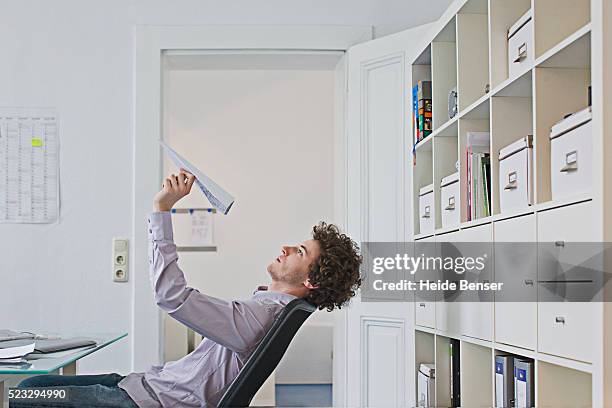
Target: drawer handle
{"points": [[451, 204], [560, 243], [571, 162], [560, 319], [529, 282], [522, 53], [422, 304], [427, 213], [512, 183]]}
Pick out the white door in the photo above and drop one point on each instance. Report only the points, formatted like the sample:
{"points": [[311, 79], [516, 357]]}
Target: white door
{"points": [[379, 343]]}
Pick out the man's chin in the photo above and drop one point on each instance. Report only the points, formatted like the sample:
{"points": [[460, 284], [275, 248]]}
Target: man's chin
{"points": [[270, 270]]}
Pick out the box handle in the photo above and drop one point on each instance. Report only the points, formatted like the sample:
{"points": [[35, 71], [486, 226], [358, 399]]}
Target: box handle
{"points": [[422, 304], [522, 53], [451, 204], [512, 183], [529, 282], [571, 162], [560, 319], [427, 213]]}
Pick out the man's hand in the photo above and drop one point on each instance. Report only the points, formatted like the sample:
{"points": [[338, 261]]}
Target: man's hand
{"points": [[173, 189]]}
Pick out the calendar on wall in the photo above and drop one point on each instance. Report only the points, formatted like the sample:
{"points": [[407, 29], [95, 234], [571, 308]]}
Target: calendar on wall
{"points": [[29, 165]]}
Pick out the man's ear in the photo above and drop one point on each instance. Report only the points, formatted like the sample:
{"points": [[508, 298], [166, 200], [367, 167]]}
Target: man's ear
{"points": [[309, 285]]}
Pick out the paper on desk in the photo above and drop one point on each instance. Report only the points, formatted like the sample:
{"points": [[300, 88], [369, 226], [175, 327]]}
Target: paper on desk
{"points": [[19, 351], [16, 360], [218, 197]]}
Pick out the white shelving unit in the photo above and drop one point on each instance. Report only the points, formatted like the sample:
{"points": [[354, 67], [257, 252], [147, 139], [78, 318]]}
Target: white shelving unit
{"points": [[468, 49]]}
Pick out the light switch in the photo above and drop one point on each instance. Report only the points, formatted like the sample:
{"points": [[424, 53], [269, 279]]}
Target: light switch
{"points": [[120, 259]]}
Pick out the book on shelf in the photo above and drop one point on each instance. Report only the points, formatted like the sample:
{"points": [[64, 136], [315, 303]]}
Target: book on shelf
{"points": [[478, 175], [415, 112], [422, 110]]}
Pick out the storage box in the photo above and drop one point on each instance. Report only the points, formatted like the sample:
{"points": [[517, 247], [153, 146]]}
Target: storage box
{"points": [[520, 45], [449, 200], [426, 213], [571, 155], [426, 385], [516, 175]]}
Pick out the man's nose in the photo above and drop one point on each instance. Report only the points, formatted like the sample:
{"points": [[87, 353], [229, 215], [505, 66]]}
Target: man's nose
{"points": [[286, 250]]}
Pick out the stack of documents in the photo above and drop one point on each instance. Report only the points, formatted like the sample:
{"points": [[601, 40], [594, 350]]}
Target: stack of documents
{"points": [[44, 346], [16, 354]]}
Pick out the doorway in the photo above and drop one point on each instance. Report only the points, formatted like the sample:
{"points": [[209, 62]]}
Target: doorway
{"points": [[264, 125]]}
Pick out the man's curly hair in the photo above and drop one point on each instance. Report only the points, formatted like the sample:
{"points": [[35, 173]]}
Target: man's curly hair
{"points": [[336, 272]]}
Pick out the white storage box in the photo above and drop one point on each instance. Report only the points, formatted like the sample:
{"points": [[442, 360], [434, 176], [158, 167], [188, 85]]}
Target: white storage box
{"points": [[516, 175], [571, 155], [426, 212], [426, 385], [520, 45], [449, 200]]}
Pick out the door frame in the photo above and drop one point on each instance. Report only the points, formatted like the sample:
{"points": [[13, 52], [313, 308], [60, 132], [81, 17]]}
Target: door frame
{"points": [[150, 43]]}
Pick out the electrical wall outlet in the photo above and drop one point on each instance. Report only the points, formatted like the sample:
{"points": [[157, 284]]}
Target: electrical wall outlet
{"points": [[120, 259]]}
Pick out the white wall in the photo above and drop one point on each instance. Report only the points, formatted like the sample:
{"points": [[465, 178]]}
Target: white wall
{"points": [[78, 56]]}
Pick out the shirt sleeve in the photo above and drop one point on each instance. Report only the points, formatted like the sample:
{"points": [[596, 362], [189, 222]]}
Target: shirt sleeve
{"points": [[237, 325]]}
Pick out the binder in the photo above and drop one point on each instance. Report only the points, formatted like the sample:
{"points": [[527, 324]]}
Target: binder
{"points": [[455, 383], [523, 383], [426, 385], [504, 381]]}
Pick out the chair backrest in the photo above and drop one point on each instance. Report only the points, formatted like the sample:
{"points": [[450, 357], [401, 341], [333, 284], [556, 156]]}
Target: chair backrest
{"points": [[267, 354]]}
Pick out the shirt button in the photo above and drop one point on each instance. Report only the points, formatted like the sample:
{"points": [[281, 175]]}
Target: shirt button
{"points": [[150, 231]]}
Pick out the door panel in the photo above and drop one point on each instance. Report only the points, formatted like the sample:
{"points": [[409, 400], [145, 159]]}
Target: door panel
{"points": [[383, 362]]}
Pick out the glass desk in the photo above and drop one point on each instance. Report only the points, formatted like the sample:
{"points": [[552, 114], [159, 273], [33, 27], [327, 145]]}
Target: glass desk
{"points": [[63, 362]]}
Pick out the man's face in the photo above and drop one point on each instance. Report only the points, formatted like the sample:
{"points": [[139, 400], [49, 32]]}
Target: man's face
{"points": [[294, 262]]}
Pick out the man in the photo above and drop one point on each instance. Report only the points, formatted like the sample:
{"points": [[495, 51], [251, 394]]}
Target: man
{"points": [[323, 270]]}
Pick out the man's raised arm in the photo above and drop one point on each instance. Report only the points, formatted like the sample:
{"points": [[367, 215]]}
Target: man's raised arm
{"points": [[233, 324]]}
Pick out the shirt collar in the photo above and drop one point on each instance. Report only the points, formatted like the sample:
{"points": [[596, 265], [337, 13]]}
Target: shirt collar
{"points": [[263, 292]]}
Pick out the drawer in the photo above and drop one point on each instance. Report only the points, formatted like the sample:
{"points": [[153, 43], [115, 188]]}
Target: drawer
{"points": [[426, 213], [516, 266], [520, 45], [567, 329], [571, 158]]}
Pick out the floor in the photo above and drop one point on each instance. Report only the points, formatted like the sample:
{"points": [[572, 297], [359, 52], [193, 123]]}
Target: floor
{"points": [[303, 395]]}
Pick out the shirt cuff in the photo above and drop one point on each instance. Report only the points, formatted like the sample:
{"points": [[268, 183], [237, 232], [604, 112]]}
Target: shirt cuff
{"points": [[160, 226]]}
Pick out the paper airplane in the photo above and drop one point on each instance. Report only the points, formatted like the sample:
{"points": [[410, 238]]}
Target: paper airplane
{"points": [[218, 197]]}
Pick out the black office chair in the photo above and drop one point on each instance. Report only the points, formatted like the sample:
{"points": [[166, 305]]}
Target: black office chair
{"points": [[267, 354]]}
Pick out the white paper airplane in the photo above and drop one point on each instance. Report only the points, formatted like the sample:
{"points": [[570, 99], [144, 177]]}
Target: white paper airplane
{"points": [[218, 197]]}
